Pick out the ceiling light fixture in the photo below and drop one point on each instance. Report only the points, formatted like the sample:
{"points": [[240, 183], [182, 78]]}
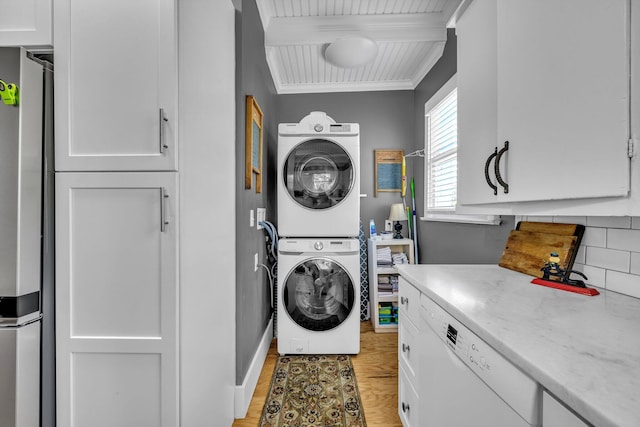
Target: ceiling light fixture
{"points": [[351, 52]]}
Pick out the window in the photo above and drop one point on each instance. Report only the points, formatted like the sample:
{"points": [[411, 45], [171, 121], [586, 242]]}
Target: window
{"points": [[441, 159]]}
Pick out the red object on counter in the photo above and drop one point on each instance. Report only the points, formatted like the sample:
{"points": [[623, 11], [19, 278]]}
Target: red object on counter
{"points": [[557, 285]]}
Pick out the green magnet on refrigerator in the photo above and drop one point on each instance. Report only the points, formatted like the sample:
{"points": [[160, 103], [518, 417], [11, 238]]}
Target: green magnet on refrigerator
{"points": [[9, 93]]}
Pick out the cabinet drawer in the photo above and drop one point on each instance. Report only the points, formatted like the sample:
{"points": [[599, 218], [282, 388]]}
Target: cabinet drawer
{"points": [[407, 401], [408, 348], [408, 300]]}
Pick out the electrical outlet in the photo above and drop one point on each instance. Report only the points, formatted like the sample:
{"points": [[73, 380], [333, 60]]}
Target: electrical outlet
{"points": [[261, 213], [388, 225], [255, 262], [251, 218]]}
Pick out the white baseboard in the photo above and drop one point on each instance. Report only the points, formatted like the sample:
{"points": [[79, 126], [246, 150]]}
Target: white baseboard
{"points": [[244, 392]]}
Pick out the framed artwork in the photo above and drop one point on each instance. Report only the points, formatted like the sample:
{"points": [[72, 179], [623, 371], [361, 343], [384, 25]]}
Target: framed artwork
{"points": [[388, 171], [253, 145]]}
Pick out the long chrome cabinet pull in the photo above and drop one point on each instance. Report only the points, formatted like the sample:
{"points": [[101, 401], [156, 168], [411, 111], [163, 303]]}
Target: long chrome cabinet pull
{"points": [[486, 172], [163, 209], [496, 166], [162, 120]]}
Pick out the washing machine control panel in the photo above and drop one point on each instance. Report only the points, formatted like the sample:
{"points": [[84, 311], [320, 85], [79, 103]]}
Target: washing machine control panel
{"points": [[289, 245]]}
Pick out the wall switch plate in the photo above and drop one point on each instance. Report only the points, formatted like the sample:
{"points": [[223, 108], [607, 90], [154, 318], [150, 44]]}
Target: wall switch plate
{"points": [[262, 216], [388, 225], [251, 218]]}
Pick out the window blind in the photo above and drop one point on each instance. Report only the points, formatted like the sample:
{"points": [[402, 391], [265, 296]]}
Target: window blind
{"points": [[442, 154]]}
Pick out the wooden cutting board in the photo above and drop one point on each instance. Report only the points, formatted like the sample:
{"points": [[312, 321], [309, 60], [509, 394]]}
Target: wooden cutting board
{"points": [[531, 243]]}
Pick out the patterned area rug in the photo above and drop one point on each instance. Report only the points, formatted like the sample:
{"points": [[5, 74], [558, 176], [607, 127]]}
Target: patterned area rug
{"points": [[310, 391]]}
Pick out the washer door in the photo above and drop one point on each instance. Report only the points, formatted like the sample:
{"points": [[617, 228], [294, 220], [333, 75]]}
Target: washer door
{"points": [[318, 294], [318, 174]]}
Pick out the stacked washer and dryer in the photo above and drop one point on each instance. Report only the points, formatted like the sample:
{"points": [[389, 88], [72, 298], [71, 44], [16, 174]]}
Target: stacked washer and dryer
{"points": [[318, 286]]}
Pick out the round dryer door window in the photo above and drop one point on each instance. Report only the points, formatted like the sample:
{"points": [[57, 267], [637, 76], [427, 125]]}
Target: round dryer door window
{"points": [[318, 294], [318, 174]]}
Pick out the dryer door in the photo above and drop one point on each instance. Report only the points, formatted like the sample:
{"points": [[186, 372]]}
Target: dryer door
{"points": [[318, 174], [318, 294]]}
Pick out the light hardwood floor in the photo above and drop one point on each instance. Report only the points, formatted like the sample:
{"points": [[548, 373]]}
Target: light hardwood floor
{"points": [[376, 368]]}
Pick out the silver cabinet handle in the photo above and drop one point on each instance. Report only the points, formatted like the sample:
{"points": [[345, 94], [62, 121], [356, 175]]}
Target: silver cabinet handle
{"points": [[486, 172], [163, 209], [162, 120], [405, 347], [496, 167]]}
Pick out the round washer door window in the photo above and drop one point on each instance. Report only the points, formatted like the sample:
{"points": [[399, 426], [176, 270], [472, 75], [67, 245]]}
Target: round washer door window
{"points": [[318, 294], [318, 174]]}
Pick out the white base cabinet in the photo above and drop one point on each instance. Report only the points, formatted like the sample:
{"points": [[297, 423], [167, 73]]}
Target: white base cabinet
{"points": [[526, 77], [410, 354], [116, 299]]}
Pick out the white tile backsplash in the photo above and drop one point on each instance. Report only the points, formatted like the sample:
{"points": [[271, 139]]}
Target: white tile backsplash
{"points": [[626, 240], [595, 236], [624, 283], [609, 254], [611, 259], [609, 221], [635, 263]]}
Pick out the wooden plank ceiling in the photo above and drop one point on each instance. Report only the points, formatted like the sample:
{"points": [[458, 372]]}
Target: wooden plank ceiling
{"points": [[410, 35]]}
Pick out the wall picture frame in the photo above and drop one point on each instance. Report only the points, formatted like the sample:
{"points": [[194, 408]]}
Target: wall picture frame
{"points": [[388, 171], [253, 144]]}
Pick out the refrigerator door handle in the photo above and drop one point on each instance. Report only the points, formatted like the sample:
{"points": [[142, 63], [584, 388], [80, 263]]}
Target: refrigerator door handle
{"points": [[20, 325]]}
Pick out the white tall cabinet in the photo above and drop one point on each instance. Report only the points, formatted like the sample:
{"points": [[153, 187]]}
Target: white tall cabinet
{"points": [[139, 264], [116, 70], [528, 74], [117, 230], [116, 299]]}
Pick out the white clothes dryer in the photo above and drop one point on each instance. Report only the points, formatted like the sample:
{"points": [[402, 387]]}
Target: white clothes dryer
{"points": [[318, 178], [318, 292]]}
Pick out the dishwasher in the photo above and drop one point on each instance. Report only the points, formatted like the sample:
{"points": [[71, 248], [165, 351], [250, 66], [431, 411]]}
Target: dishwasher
{"points": [[465, 382]]}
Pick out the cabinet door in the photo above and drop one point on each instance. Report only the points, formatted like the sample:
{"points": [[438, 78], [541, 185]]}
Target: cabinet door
{"points": [[477, 100], [553, 80], [25, 23], [116, 83], [116, 299], [563, 98]]}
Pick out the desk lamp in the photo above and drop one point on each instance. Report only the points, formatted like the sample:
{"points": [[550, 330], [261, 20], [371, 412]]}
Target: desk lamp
{"points": [[397, 214]]}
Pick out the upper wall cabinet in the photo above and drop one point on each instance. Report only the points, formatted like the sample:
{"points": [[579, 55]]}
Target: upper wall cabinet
{"points": [[543, 93], [25, 23], [116, 85]]}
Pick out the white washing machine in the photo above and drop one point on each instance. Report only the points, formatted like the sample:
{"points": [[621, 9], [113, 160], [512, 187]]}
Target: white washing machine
{"points": [[318, 178], [318, 307]]}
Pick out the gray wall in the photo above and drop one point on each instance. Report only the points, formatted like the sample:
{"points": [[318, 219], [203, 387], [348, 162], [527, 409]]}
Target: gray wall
{"points": [[442, 242], [253, 298], [386, 122]]}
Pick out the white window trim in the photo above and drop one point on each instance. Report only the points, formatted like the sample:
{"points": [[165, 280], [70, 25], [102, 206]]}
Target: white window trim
{"points": [[451, 84]]}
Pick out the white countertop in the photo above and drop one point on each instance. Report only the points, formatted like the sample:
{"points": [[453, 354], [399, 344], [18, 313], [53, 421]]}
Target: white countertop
{"points": [[585, 350]]}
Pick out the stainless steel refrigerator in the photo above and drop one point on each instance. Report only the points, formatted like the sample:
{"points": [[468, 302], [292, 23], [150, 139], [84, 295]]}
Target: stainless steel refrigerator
{"points": [[26, 240]]}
